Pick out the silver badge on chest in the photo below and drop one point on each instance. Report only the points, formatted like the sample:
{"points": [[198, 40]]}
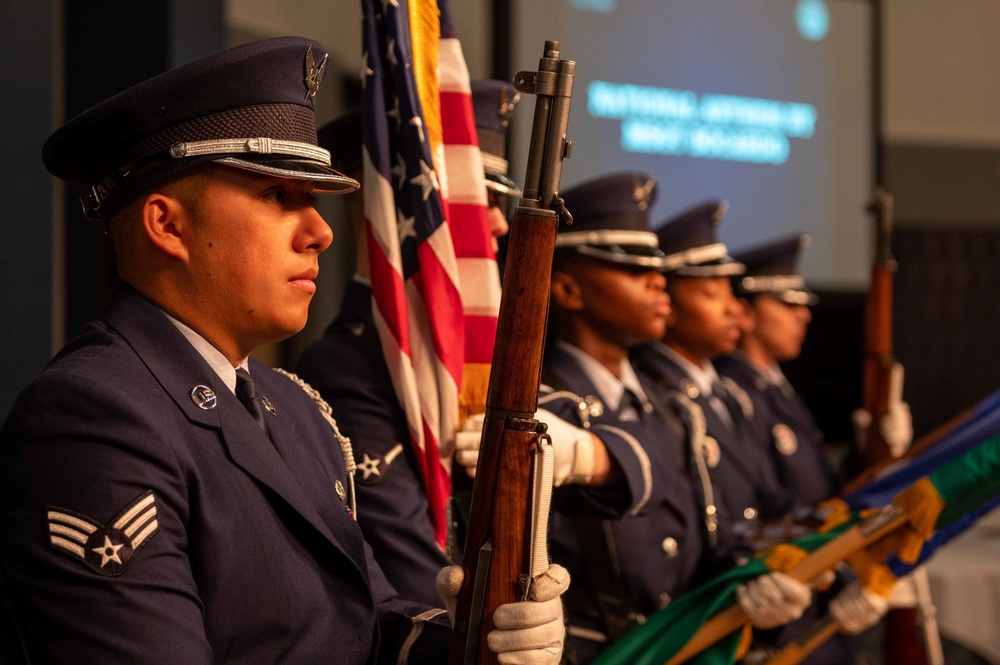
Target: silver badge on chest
{"points": [[784, 439], [204, 397], [267, 405]]}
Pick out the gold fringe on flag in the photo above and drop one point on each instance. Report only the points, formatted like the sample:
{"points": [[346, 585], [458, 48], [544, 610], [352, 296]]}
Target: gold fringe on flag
{"points": [[425, 33], [782, 558], [472, 397], [837, 513], [872, 572], [923, 505], [746, 641]]}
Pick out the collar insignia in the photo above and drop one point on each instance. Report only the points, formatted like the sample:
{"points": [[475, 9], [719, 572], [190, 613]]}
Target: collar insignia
{"points": [[267, 405], [204, 397], [314, 75], [110, 548], [784, 439]]}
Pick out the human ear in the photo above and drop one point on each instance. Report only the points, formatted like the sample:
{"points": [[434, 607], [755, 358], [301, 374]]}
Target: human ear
{"points": [[165, 221], [566, 291]]}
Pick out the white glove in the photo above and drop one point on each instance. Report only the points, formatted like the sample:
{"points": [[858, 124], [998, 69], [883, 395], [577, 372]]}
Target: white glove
{"points": [[449, 583], [904, 591], [572, 448], [530, 632], [773, 600], [467, 443], [896, 427], [857, 609]]}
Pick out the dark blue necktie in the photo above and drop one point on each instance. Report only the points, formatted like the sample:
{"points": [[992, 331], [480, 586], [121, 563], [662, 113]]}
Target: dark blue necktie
{"points": [[246, 394]]}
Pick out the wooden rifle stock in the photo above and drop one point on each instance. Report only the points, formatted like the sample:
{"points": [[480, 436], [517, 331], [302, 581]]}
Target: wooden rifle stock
{"points": [[878, 361], [498, 556]]}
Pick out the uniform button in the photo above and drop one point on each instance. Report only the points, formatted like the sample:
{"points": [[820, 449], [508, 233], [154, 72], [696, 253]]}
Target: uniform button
{"points": [[664, 599], [669, 547], [750, 513]]}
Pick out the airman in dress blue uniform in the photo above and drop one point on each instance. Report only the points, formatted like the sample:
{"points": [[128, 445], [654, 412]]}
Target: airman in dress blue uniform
{"points": [[628, 559], [774, 302], [163, 498], [703, 326]]}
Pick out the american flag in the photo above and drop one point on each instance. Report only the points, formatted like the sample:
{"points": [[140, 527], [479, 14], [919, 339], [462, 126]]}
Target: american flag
{"points": [[426, 223]]}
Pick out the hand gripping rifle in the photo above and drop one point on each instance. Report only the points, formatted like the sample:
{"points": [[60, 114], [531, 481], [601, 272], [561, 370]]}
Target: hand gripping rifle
{"points": [[505, 545]]}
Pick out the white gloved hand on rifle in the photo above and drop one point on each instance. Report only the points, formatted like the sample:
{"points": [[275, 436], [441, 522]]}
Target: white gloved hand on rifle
{"points": [[857, 609], [529, 632], [773, 600], [896, 427], [573, 448]]}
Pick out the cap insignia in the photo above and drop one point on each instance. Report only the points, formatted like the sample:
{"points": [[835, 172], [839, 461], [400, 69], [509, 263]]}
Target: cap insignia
{"points": [[314, 75], [720, 211], [505, 109], [641, 192], [110, 548]]}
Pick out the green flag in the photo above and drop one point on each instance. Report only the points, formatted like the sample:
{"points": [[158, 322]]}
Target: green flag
{"points": [[935, 502]]}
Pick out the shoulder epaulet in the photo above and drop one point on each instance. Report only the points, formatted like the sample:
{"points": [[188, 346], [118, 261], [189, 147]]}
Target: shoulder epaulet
{"points": [[346, 448]]}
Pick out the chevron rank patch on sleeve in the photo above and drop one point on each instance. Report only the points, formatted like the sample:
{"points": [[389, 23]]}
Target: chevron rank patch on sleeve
{"points": [[107, 548]]}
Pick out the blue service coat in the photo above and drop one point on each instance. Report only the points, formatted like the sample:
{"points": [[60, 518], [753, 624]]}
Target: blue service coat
{"points": [[248, 555], [787, 429], [745, 480], [347, 367], [656, 534]]}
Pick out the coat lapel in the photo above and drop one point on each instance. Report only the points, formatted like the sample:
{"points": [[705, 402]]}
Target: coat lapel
{"points": [[669, 375], [180, 369]]}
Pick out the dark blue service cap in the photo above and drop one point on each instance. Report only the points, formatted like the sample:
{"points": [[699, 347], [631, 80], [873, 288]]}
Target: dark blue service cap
{"points": [[772, 269], [493, 104], [691, 248], [611, 220], [249, 107]]}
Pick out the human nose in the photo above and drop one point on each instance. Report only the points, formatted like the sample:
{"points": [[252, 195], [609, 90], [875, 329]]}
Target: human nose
{"points": [[315, 234], [498, 226], [657, 280]]}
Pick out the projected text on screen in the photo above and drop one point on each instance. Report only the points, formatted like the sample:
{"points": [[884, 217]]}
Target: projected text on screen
{"points": [[710, 126]]}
